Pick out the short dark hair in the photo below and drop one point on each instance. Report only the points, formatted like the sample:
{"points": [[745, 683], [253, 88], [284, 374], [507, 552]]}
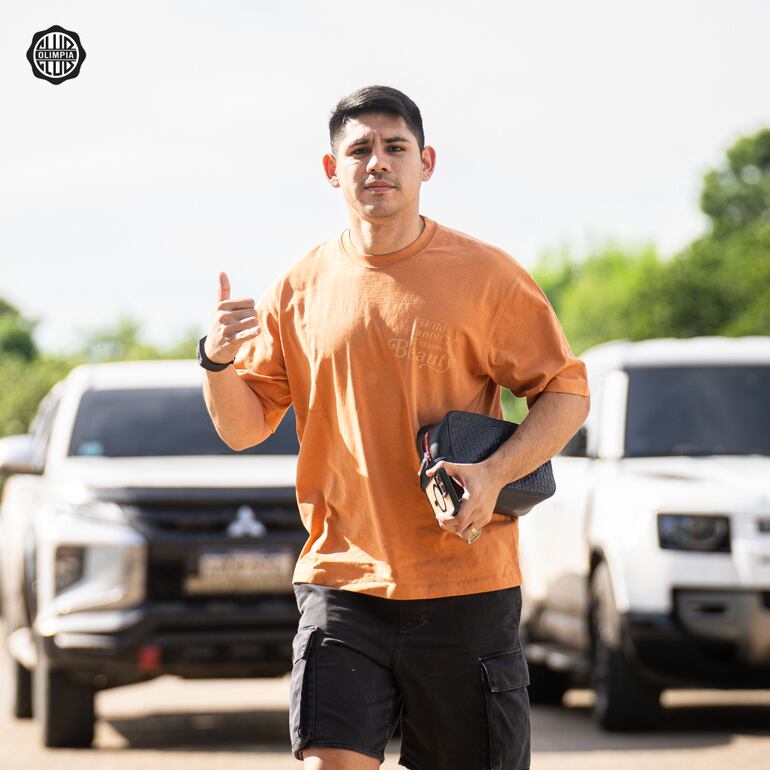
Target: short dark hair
{"points": [[376, 99]]}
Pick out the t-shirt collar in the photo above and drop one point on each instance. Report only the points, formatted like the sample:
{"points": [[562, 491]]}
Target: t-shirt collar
{"points": [[386, 260]]}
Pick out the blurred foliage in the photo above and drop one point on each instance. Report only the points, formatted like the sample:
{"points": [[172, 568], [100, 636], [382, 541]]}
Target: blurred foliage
{"points": [[717, 285], [16, 337], [737, 195], [123, 342], [26, 374], [24, 384], [16, 333], [514, 409], [600, 298]]}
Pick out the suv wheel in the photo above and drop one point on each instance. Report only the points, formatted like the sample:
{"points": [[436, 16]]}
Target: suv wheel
{"points": [[18, 687], [546, 686], [623, 700], [64, 708]]}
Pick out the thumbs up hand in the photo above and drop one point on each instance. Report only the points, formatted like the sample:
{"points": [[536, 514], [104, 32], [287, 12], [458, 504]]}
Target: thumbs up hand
{"points": [[234, 322]]}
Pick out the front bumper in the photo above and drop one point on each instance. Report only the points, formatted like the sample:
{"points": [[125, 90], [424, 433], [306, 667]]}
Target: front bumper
{"points": [[161, 619], [712, 638], [208, 639]]}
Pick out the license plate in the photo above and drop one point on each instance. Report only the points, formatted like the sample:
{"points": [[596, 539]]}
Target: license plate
{"points": [[242, 570]]}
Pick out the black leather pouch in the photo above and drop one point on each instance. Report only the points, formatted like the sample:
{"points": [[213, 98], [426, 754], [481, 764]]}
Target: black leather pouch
{"points": [[468, 437]]}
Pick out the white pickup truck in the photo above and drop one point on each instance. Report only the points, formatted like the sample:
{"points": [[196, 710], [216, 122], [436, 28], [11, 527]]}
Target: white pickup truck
{"points": [[135, 543], [650, 567]]}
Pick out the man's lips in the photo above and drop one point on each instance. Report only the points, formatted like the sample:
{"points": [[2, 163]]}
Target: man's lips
{"points": [[379, 184]]}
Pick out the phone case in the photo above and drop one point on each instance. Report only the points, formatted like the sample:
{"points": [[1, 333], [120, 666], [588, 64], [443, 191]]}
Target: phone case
{"points": [[443, 492]]}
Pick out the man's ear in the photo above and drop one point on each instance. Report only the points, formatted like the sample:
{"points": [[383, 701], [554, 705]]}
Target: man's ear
{"points": [[428, 162], [330, 169]]}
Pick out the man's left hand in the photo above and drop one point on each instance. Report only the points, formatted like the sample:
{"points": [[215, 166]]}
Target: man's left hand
{"points": [[480, 483]]}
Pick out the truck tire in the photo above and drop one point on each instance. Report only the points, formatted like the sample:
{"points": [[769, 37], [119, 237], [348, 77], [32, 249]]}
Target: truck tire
{"points": [[63, 707], [546, 686], [624, 701], [18, 687]]}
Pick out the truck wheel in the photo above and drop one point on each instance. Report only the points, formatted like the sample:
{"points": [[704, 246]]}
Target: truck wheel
{"points": [[623, 700], [64, 708], [546, 686], [18, 687]]}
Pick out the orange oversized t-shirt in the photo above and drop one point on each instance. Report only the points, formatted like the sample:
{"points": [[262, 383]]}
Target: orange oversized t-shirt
{"points": [[370, 348]]}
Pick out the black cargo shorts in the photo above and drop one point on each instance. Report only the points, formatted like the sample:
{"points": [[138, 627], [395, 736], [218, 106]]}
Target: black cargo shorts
{"points": [[451, 668]]}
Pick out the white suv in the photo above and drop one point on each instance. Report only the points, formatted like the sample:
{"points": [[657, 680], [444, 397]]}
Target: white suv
{"points": [[650, 567], [135, 543]]}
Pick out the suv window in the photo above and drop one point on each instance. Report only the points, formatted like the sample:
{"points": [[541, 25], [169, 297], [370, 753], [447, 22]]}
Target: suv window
{"points": [[42, 424], [698, 410], [155, 422]]}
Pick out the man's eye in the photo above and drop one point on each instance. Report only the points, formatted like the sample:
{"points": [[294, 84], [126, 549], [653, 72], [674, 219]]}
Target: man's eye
{"points": [[396, 148], [360, 150]]}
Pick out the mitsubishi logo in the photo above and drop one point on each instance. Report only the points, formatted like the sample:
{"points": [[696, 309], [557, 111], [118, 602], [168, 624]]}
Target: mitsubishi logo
{"points": [[246, 524]]}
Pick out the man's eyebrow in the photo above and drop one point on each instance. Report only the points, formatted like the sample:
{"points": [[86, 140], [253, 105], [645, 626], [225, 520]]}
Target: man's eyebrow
{"points": [[391, 139]]}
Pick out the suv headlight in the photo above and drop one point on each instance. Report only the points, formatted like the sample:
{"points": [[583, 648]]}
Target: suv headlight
{"points": [[99, 510], [68, 566], [694, 532]]}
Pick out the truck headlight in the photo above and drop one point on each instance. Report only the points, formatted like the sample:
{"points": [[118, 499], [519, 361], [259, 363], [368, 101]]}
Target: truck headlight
{"points": [[68, 566], [99, 510], [694, 532]]}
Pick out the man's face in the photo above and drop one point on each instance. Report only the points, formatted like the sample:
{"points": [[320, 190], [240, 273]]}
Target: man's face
{"points": [[379, 166]]}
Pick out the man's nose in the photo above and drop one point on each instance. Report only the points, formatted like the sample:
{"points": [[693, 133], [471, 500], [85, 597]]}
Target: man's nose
{"points": [[378, 160]]}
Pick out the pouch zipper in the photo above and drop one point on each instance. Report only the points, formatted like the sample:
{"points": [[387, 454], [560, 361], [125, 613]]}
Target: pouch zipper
{"points": [[427, 457]]}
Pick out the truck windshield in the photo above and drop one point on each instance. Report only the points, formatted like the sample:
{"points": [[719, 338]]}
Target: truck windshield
{"points": [[698, 410], [158, 422]]}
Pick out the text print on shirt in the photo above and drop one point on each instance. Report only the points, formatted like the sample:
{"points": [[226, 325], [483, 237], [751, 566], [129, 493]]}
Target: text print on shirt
{"points": [[429, 344]]}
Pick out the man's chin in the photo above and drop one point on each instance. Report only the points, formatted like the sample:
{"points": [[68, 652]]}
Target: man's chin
{"points": [[379, 210]]}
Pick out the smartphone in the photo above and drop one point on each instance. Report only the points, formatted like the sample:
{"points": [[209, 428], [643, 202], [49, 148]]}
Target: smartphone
{"points": [[443, 493]]}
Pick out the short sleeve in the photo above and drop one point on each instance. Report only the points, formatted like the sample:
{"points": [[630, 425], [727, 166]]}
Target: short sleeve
{"points": [[528, 351], [260, 363]]}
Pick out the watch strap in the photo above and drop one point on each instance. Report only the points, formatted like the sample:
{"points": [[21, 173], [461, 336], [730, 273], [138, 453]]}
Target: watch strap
{"points": [[205, 361]]}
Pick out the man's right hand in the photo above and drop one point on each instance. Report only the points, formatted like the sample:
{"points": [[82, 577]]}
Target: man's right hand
{"points": [[234, 322]]}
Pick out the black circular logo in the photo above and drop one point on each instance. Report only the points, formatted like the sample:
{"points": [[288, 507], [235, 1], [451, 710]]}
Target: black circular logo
{"points": [[56, 54]]}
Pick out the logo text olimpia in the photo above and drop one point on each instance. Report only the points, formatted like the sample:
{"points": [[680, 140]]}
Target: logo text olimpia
{"points": [[56, 54]]}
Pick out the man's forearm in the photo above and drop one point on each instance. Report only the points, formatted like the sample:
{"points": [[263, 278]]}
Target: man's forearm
{"points": [[550, 424], [235, 409]]}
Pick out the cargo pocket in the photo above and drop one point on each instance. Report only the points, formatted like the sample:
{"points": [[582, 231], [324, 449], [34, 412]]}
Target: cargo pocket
{"points": [[505, 677], [302, 690]]}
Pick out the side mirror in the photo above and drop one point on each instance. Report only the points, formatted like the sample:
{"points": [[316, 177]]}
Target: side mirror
{"points": [[18, 455], [577, 445]]}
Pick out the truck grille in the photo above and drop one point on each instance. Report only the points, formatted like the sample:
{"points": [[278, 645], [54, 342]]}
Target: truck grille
{"points": [[210, 511], [179, 524], [212, 519]]}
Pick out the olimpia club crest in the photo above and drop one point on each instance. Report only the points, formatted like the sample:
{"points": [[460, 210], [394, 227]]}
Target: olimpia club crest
{"points": [[56, 54]]}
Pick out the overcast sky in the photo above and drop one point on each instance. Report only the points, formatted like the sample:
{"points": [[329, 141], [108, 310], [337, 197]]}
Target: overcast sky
{"points": [[191, 142]]}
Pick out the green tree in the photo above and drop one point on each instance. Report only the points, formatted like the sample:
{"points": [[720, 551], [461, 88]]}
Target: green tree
{"points": [[123, 342], [719, 284], [16, 333], [737, 194], [24, 385], [599, 298], [27, 374], [119, 343], [16, 338]]}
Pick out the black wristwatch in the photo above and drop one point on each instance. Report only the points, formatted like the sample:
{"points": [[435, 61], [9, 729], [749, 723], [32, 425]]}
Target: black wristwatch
{"points": [[205, 361]]}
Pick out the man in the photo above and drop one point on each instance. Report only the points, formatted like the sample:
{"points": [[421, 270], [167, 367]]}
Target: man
{"points": [[372, 335]]}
